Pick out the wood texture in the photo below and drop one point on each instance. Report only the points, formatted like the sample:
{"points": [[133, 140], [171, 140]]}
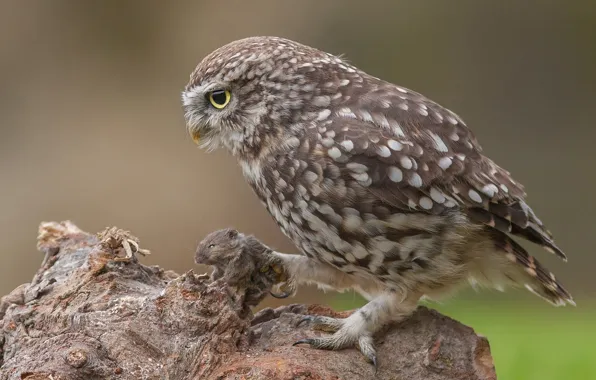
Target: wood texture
{"points": [[90, 314]]}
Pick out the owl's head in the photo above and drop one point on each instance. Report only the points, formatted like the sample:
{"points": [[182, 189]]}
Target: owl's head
{"points": [[261, 90]]}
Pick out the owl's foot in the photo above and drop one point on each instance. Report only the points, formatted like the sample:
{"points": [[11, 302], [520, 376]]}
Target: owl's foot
{"points": [[284, 284], [346, 334], [285, 290], [320, 322]]}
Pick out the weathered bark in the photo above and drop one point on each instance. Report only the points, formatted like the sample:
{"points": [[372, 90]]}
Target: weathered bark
{"points": [[89, 315]]}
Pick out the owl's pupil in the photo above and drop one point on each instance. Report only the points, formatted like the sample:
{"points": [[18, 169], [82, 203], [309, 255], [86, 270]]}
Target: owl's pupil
{"points": [[219, 97]]}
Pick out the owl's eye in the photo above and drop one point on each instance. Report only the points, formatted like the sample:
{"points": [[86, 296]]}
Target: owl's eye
{"points": [[219, 98], [211, 246]]}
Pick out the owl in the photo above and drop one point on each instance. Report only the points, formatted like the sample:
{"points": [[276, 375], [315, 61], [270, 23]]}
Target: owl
{"points": [[382, 190]]}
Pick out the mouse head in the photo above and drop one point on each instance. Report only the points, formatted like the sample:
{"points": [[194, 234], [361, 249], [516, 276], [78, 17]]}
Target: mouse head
{"points": [[218, 247]]}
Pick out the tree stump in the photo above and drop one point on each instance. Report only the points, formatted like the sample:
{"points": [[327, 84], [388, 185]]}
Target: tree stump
{"points": [[89, 313]]}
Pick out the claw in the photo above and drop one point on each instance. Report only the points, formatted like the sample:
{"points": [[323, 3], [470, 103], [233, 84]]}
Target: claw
{"points": [[308, 318], [301, 341], [342, 337], [286, 290], [280, 296], [367, 348]]}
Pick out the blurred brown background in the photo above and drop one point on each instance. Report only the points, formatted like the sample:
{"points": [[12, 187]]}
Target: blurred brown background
{"points": [[92, 130]]}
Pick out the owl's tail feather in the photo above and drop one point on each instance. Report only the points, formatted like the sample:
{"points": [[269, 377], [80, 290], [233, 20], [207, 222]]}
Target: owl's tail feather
{"points": [[530, 273], [519, 220]]}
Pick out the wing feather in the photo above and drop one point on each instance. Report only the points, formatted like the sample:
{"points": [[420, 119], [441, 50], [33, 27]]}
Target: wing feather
{"points": [[420, 156]]}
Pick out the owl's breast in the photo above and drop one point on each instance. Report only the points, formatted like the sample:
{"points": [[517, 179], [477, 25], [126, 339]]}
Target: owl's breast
{"points": [[282, 183], [333, 219]]}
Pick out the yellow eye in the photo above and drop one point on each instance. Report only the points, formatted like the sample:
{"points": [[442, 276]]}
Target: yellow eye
{"points": [[219, 98]]}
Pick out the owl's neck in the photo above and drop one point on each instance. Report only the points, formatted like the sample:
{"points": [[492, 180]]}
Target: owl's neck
{"points": [[253, 156], [252, 170], [250, 144]]}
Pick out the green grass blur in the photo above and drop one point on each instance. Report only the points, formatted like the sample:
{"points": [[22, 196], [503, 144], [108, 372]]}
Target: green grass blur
{"points": [[529, 338]]}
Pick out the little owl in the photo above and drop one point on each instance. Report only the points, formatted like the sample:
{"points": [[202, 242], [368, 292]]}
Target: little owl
{"points": [[381, 189]]}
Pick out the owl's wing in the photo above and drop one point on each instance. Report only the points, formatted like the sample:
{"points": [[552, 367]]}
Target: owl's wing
{"points": [[416, 155]]}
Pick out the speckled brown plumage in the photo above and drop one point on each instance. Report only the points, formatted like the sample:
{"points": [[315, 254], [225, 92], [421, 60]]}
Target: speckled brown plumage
{"points": [[383, 189]]}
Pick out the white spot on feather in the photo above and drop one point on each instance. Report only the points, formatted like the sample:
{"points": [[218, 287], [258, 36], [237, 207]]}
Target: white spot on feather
{"points": [[397, 129], [437, 195], [360, 252], [324, 114], [445, 163], [356, 167], [334, 153], [415, 180], [310, 176], [327, 142], [381, 120], [450, 203], [394, 145], [352, 222], [348, 145], [439, 143], [426, 203], [406, 162], [366, 116], [293, 142], [451, 120], [490, 190], [395, 174], [383, 151], [474, 196], [360, 177], [346, 112], [321, 101]]}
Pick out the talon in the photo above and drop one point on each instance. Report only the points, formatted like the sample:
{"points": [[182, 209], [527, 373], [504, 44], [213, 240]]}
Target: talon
{"points": [[367, 348], [343, 336], [308, 318], [285, 291], [280, 296], [301, 341]]}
